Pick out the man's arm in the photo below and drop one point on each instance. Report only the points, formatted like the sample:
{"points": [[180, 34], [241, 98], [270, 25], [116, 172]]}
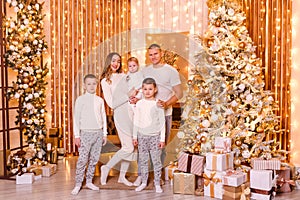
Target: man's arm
{"points": [[178, 95]]}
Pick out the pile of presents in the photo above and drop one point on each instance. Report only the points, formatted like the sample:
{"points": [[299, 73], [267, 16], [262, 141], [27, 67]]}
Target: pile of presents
{"points": [[26, 170], [214, 175], [36, 172]]}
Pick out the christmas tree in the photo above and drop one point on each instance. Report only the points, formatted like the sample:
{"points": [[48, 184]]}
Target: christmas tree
{"points": [[25, 44], [226, 95]]}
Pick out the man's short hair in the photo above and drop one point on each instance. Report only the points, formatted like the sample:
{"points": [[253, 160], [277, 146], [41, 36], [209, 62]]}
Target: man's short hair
{"points": [[152, 46]]}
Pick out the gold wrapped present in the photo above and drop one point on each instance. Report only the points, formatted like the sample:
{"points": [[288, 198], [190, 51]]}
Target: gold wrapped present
{"points": [[35, 170], [184, 183], [48, 170], [236, 193]]}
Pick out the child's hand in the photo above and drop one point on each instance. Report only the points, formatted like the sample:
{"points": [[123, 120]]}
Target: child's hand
{"points": [[104, 141], [77, 142], [133, 100], [161, 145], [135, 142]]}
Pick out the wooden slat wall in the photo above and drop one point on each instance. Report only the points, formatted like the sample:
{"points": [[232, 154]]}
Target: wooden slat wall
{"points": [[269, 25], [83, 32]]}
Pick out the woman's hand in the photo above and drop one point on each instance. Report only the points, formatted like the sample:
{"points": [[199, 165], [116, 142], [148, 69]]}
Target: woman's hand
{"points": [[135, 142], [77, 142]]}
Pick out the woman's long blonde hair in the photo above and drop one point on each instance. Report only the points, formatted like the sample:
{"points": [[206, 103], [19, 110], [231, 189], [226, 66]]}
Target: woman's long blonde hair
{"points": [[107, 72]]}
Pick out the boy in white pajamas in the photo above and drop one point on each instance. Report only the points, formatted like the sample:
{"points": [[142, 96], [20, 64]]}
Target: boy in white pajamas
{"points": [[149, 133], [90, 130]]}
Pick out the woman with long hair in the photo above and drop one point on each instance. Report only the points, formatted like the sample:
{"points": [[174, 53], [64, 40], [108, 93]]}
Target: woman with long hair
{"points": [[115, 89]]}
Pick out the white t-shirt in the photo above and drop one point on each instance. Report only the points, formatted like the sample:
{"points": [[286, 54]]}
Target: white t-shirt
{"points": [[166, 78], [89, 114], [149, 119]]}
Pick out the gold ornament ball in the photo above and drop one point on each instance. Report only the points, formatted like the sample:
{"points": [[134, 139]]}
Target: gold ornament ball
{"points": [[276, 128], [20, 46], [189, 82], [259, 129], [28, 90], [30, 84], [38, 76], [218, 24], [203, 139], [238, 143], [25, 80], [237, 162], [196, 150], [31, 78], [31, 37]]}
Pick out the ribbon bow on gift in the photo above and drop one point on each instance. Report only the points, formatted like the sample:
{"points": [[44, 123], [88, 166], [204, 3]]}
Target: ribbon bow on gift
{"points": [[227, 146], [283, 181], [208, 179], [245, 192], [230, 172]]}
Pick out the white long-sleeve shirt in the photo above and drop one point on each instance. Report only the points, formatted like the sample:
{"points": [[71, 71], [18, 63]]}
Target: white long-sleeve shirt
{"points": [[135, 81], [89, 114], [149, 119]]}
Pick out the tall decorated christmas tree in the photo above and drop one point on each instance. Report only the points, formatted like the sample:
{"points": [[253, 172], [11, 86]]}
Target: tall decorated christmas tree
{"points": [[226, 95], [25, 45]]}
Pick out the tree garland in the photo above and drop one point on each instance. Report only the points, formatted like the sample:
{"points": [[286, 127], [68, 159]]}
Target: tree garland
{"points": [[25, 44]]}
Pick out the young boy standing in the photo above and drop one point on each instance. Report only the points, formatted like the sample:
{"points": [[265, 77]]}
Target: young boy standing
{"points": [[90, 130]]}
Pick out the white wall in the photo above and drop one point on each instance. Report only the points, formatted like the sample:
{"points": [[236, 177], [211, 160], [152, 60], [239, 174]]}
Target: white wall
{"points": [[295, 86]]}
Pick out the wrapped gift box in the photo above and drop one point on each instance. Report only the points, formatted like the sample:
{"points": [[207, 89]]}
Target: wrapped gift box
{"points": [[213, 186], [26, 178], [223, 144], [259, 163], [236, 193], [35, 169], [234, 178], [169, 172], [261, 179], [283, 180], [258, 196], [184, 183], [219, 162], [48, 170], [261, 184], [191, 163]]}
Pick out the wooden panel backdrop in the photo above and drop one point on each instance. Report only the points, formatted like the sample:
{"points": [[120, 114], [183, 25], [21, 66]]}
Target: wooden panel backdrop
{"points": [[83, 32], [269, 25]]}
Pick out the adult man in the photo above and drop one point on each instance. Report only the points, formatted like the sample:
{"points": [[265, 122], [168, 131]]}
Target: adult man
{"points": [[168, 84]]}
